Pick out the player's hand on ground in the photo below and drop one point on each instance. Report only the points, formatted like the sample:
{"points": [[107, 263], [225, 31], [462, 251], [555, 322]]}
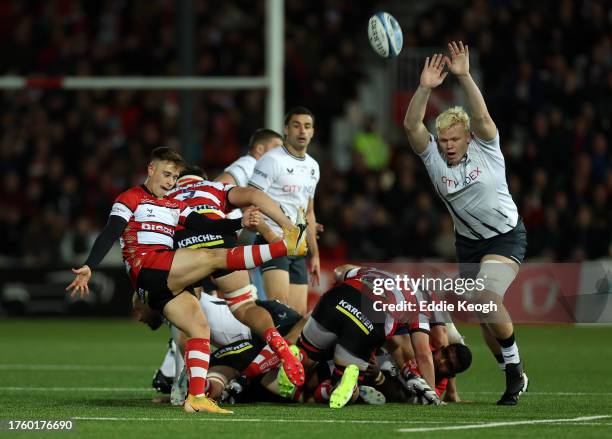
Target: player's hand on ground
{"points": [[251, 217], [79, 284], [459, 61], [451, 397], [433, 73], [315, 271]]}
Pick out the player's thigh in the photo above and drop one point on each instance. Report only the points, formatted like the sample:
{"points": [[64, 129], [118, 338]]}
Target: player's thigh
{"points": [[276, 284], [232, 281], [298, 298], [298, 284], [192, 265], [185, 313]]}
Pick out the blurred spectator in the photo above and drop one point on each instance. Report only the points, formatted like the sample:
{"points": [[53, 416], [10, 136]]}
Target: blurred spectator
{"points": [[370, 145]]}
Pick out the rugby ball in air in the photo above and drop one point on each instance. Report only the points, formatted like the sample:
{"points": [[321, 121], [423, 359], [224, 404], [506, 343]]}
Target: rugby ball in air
{"points": [[385, 35]]}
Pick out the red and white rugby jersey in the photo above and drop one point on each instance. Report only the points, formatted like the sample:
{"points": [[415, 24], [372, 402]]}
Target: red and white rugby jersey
{"points": [[371, 283], [205, 197], [151, 224]]}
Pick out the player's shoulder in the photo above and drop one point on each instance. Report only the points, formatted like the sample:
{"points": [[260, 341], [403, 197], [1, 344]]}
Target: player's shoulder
{"points": [[245, 160], [486, 143], [311, 161], [133, 194], [210, 185]]}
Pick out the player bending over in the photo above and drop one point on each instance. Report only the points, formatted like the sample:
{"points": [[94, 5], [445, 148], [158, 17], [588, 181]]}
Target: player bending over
{"points": [[348, 326]]}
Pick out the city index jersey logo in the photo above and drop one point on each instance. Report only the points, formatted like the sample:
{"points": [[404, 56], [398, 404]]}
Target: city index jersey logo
{"points": [[290, 171], [294, 188], [469, 178], [157, 228]]}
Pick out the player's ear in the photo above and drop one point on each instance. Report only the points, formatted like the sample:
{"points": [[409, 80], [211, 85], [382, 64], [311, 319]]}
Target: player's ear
{"points": [[151, 169]]}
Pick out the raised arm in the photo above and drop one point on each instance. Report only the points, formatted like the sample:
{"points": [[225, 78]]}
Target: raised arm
{"points": [[459, 64], [431, 76]]}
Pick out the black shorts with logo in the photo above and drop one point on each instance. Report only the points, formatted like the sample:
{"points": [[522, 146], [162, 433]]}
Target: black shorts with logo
{"points": [[470, 252], [238, 355], [295, 265], [350, 315], [188, 238]]}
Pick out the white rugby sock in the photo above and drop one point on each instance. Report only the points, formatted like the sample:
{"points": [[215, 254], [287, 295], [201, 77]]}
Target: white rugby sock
{"points": [[511, 354], [167, 367]]}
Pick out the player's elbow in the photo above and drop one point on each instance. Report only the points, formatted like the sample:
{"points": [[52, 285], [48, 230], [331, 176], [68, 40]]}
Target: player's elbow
{"points": [[410, 125]]}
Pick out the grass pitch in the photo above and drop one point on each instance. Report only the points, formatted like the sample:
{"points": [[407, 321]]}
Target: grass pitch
{"points": [[97, 373]]}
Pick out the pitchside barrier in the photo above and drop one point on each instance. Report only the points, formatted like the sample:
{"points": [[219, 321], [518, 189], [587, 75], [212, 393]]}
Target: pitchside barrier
{"points": [[541, 293]]}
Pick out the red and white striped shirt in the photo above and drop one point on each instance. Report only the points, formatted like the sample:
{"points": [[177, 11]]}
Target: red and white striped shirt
{"points": [[151, 224], [208, 198]]}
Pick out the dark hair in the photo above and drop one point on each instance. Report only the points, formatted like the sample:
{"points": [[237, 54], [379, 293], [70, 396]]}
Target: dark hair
{"points": [[167, 154], [463, 357], [298, 110], [193, 170], [263, 135]]}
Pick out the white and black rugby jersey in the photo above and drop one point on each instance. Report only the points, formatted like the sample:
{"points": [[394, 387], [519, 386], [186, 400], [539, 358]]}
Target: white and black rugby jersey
{"points": [[289, 180], [475, 190]]}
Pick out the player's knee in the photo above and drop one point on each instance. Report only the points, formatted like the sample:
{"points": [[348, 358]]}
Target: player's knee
{"points": [[237, 299], [496, 277]]}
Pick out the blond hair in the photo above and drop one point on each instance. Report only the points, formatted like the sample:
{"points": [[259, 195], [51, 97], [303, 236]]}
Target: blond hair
{"points": [[450, 117]]}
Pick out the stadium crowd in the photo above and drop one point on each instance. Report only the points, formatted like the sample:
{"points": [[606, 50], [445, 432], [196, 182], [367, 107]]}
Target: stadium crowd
{"points": [[64, 156]]}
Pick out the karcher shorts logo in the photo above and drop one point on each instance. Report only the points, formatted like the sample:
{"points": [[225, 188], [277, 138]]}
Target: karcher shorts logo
{"points": [[200, 239], [232, 350], [356, 316]]}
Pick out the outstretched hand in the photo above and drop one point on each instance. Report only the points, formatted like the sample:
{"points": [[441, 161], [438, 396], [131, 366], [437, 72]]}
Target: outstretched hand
{"points": [[251, 217], [432, 74], [459, 62], [79, 284]]}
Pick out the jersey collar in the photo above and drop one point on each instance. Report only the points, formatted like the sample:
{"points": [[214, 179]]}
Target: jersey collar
{"points": [[292, 155]]}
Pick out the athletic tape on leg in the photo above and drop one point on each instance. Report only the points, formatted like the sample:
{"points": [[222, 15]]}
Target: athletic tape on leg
{"points": [[239, 297]]}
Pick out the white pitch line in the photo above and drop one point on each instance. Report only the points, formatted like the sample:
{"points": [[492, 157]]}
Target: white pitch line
{"points": [[502, 424], [83, 367], [541, 393], [238, 419], [78, 389]]}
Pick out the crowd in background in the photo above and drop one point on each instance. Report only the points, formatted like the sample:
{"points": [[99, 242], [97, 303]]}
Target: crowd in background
{"points": [[64, 156]]}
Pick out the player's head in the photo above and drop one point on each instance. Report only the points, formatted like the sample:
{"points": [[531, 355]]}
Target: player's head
{"points": [[143, 313], [299, 128], [262, 141], [163, 170], [453, 131], [451, 360], [190, 175], [340, 272]]}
